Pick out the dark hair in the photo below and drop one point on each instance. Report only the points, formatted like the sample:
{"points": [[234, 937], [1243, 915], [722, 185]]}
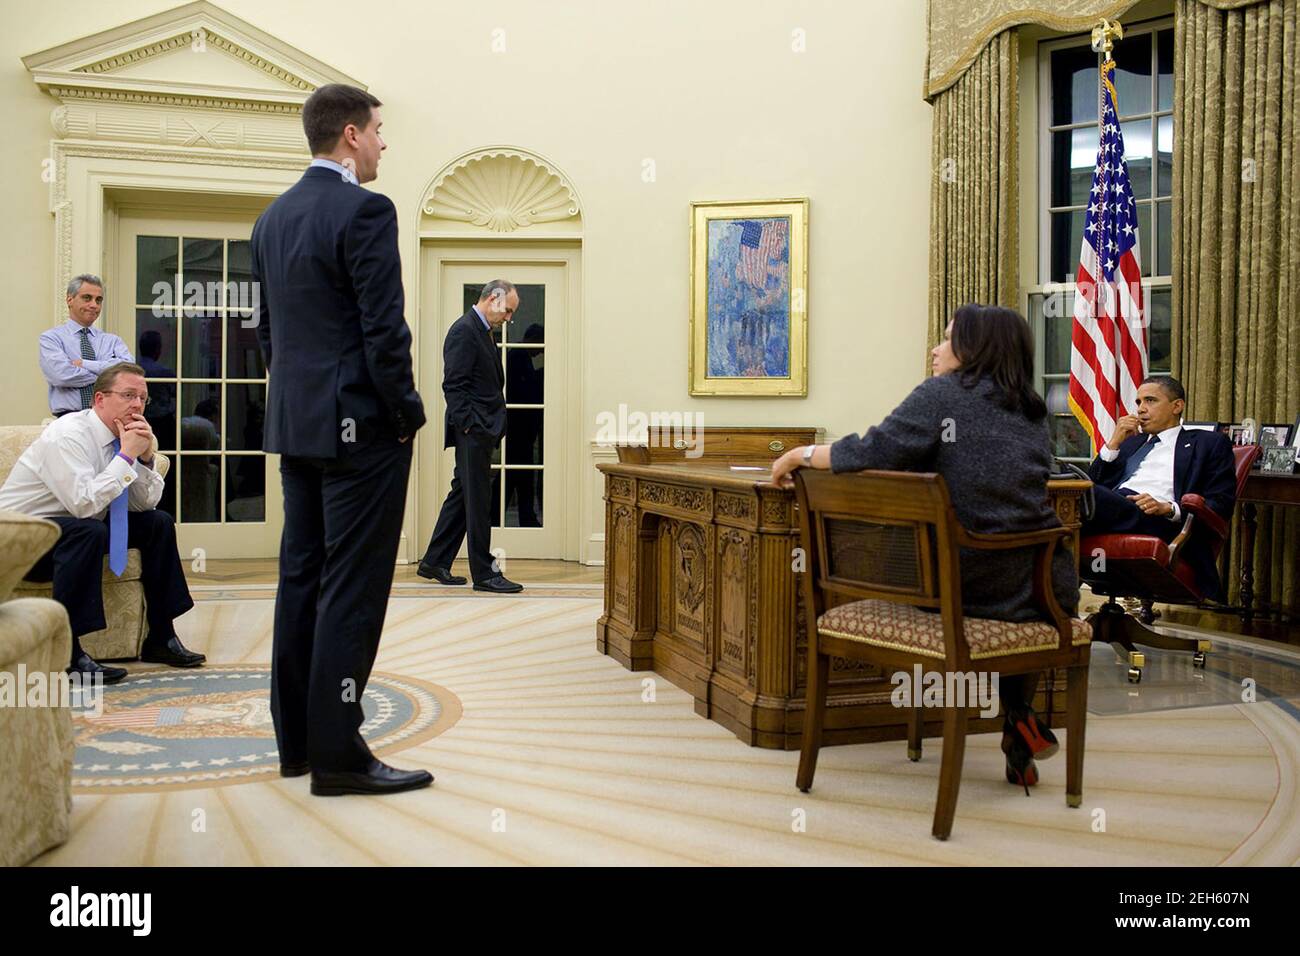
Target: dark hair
{"points": [[994, 342], [106, 379], [331, 108], [1172, 387]]}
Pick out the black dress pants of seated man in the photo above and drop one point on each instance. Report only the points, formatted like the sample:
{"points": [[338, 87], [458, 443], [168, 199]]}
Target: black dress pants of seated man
{"points": [[1113, 513], [75, 566]]}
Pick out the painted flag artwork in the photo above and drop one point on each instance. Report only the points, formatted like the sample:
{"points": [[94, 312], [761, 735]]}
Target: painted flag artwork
{"points": [[1109, 344], [749, 297], [749, 280]]}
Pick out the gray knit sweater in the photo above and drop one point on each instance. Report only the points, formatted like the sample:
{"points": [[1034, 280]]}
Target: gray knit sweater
{"points": [[995, 463]]}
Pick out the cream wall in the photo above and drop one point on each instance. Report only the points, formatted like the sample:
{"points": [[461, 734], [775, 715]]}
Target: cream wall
{"points": [[711, 92]]}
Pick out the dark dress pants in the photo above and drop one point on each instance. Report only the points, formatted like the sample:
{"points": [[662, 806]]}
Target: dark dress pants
{"points": [[342, 525], [1115, 514], [467, 509], [75, 567]]}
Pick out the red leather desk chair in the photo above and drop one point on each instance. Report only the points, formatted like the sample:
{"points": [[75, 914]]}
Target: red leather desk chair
{"points": [[1145, 567]]}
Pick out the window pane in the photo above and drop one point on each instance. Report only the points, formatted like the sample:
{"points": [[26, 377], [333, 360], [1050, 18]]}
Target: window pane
{"points": [[1056, 344], [156, 345], [1145, 235], [1074, 158], [1165, 156], [1069, 440], [201, 346], [1165, 64], [1067, 239], [1133, 75], [239, 274], [200, 415], [523, 498], [1137, 156], [156, 259], [245, 487], [523, 436], [201, 273], [1159, 313], [245, 416], [1074, 85], [496, 497], [529, 321], [244, 353], [1164, 238], [200, 477]]}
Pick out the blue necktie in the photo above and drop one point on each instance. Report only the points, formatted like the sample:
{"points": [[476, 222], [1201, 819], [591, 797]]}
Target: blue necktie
{"points": [[117, 527], [1131, 466]]}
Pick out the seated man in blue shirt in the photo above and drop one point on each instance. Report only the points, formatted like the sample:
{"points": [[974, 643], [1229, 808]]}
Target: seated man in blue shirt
{"points": [[74, 353]]}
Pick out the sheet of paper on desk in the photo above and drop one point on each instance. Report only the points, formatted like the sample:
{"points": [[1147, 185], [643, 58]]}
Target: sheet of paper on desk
{"points": [[749, 468]]}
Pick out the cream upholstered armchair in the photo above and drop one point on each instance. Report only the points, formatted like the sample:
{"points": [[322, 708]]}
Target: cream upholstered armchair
{"points": [[36, 742], [123, 597]]}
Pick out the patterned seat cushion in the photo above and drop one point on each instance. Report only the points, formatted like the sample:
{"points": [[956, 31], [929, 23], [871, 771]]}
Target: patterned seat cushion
{"points": [[902, 627]]}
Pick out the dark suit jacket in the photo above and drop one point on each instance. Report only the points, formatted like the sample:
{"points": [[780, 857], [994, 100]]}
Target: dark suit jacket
{"points": [[331, 321], [1203, 465], [472, 381]]}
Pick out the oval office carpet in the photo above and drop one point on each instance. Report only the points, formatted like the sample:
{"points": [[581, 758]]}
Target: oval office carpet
{"points": [[556, 759]]}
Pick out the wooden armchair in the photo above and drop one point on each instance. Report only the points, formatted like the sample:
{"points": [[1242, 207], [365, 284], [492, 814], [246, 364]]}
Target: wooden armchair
{"points": [[881, 547]]}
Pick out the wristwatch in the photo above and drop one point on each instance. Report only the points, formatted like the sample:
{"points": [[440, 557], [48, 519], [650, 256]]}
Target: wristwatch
{"points": [[807, 455]]}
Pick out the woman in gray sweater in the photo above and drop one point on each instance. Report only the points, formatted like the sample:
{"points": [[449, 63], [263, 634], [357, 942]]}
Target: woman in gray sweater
{"points": [[979, 423]]}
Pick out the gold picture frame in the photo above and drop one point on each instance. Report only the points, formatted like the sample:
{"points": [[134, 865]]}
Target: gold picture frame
{"points": [[749, 298]]}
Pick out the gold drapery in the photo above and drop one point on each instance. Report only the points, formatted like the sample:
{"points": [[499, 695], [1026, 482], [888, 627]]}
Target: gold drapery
{"points": [[974, 232], [1236, 240], [958, 30]]}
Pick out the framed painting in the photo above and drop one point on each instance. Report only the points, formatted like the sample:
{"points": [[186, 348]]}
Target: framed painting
{"points": [[749, 298]]}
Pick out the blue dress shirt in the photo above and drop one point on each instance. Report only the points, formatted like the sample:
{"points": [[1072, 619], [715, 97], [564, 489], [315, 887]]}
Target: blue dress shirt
{"points": [[60, 345]]}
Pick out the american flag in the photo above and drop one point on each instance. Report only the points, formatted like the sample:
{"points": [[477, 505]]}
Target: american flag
{"points": [[1108, 352], [760, 240]]}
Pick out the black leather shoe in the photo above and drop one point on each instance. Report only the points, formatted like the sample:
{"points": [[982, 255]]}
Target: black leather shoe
{"points": [[378, 779], [173, 653], [441, 575], [89, 667], [499, 584], [295, 769]]}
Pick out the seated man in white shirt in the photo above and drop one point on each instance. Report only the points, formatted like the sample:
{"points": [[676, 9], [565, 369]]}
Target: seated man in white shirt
{"points": [[1150, 462], [92, 473]]}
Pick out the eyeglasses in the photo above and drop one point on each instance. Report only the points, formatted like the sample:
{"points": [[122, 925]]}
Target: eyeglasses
{"points": [[131, 396]]}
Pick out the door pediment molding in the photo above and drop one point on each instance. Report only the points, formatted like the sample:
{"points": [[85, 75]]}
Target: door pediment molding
{"points": [[196, 55], [501, 189]]}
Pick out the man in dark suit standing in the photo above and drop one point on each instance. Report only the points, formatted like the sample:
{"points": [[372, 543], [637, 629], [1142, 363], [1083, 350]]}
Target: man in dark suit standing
{"points": [[341, 410], [475, 421], [1150, 462]]}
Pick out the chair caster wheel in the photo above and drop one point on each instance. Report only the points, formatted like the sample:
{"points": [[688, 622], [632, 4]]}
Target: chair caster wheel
{"points": [[1135, 675], [1198, 660]]}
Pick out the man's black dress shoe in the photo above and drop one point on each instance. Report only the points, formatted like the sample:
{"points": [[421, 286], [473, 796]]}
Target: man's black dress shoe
{"points": [[499, 584], [89, 667], [295, 769], [378, 779], [441, 575], [172, 653]]}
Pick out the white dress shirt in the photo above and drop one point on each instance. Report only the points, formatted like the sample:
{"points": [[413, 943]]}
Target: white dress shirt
{"points": [[1155, 472], [71, 470], [346, 174]]}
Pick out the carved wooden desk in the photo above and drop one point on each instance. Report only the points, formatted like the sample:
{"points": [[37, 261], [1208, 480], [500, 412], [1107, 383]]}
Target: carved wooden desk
{"points": [[700, 588], [1264, 488]]}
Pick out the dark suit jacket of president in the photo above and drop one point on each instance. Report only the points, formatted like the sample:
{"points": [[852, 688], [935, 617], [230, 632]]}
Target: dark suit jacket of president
{"points": [[1203, 465], [472, 381], [340, 330]]}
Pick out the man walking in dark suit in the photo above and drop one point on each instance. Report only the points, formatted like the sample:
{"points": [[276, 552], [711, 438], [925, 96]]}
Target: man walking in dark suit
{"points": [[475, 421], [1147, 467], [341, 410]]}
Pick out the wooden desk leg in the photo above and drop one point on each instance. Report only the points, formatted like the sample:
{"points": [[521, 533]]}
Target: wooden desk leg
{"points": [[1247, 559]]}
